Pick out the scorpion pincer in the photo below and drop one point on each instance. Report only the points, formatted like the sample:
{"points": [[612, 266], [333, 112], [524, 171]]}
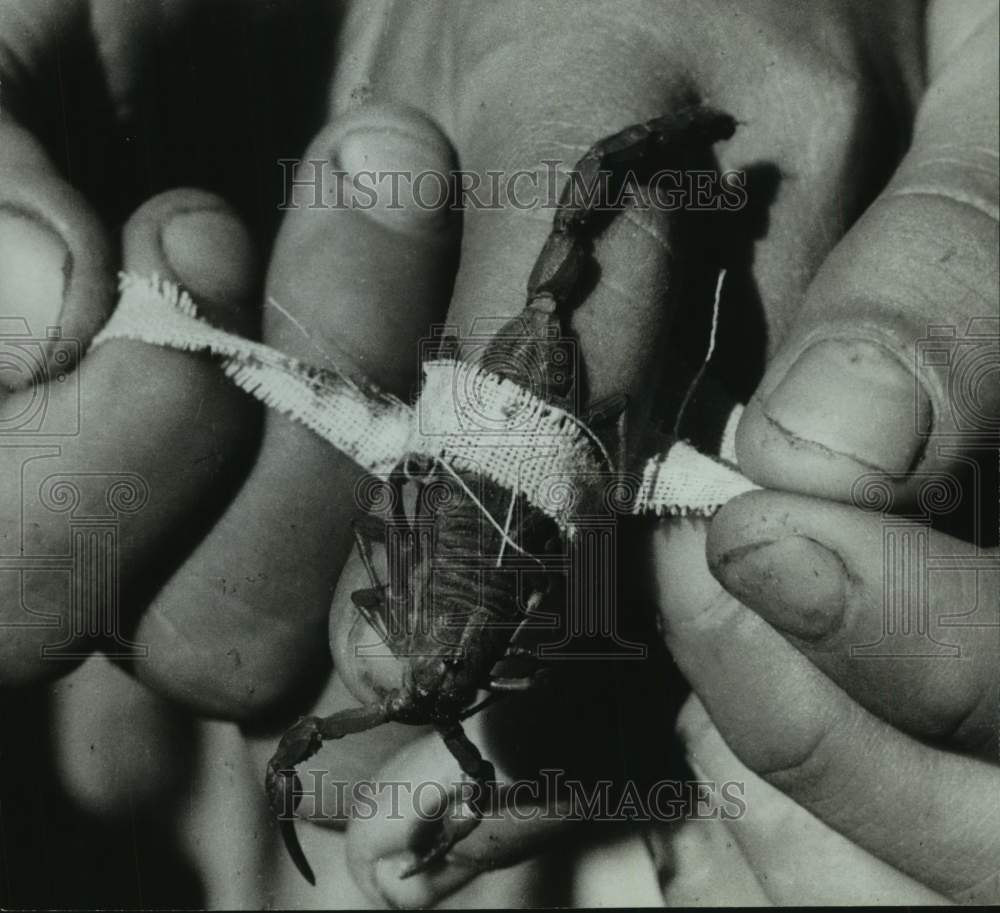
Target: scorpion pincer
{"points": [[450, 623]]}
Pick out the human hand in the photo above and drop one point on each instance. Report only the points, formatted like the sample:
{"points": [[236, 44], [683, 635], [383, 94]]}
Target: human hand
{"points": [[96, 118], [856, 667], [808, 688]]}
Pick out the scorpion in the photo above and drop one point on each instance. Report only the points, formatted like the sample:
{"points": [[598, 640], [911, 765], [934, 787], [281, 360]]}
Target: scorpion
{"points": [[450, 625]]}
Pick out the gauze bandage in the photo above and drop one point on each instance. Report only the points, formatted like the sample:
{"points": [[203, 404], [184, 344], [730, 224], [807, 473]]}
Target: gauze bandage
{"points": [[466, 417]]}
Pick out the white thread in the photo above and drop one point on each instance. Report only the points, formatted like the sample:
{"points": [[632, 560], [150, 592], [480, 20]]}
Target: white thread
{"points": [[488, 424], [708, 355], [506, 526], [482, 507]]}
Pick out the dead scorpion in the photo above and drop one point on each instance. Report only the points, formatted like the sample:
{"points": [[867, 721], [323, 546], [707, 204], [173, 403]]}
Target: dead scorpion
{"points": [[450, 626]]}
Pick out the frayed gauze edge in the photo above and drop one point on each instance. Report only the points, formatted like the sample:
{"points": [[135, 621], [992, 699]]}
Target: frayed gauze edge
{"points": [[467, 417]]}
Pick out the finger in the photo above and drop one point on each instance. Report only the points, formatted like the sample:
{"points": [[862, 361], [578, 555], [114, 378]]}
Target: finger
{"points": [[800, 860], [793, 726], [56, 257], [355, 288], [895, 349], [119, 749], [635, 259], [105, 444], [381, 839], [902, 617]]}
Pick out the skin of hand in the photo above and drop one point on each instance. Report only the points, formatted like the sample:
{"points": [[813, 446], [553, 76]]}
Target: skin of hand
{"points": [[834, 89], [802, 667]]}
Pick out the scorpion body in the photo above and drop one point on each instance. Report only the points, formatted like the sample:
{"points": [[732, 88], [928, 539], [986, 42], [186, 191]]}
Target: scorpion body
{"points": [[451, 609]]}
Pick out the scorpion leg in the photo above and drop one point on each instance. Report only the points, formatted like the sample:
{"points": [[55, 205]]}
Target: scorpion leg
{"points": [[368, 529], [608, 420], [505, 685], [370, 604], [298, 744], [453, 830], [531, 619]]}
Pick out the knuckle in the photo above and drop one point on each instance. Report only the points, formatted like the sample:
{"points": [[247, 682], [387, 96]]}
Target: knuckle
{"points": [[958, 174], [812, 765], [228, 682]]}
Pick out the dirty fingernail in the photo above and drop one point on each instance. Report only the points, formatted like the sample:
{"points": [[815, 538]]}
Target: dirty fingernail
{"points": [[35, 266], [399, 168], [211, 253], [796, 584], [855, 398]]}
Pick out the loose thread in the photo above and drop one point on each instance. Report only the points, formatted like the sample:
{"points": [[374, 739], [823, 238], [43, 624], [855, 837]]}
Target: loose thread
{"points": [[708, 356]]}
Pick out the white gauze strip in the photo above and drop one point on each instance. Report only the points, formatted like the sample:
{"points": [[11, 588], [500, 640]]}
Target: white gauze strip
{"points": [[486, 423], [465, 416], [371, 431]]}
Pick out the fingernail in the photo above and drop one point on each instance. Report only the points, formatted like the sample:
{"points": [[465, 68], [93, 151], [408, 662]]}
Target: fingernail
{"points": [[855, 398], [397, 891], [796, 584], [693, 721], [423, 889], [35, 268], [405, 164], [211, 253]]}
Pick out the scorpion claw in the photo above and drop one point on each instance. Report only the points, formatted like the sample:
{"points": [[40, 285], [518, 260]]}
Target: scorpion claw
{"points": [[283, 794], [284, 790]]}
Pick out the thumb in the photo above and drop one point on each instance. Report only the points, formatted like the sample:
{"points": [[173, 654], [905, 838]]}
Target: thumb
{"points": [[897, 338]]}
